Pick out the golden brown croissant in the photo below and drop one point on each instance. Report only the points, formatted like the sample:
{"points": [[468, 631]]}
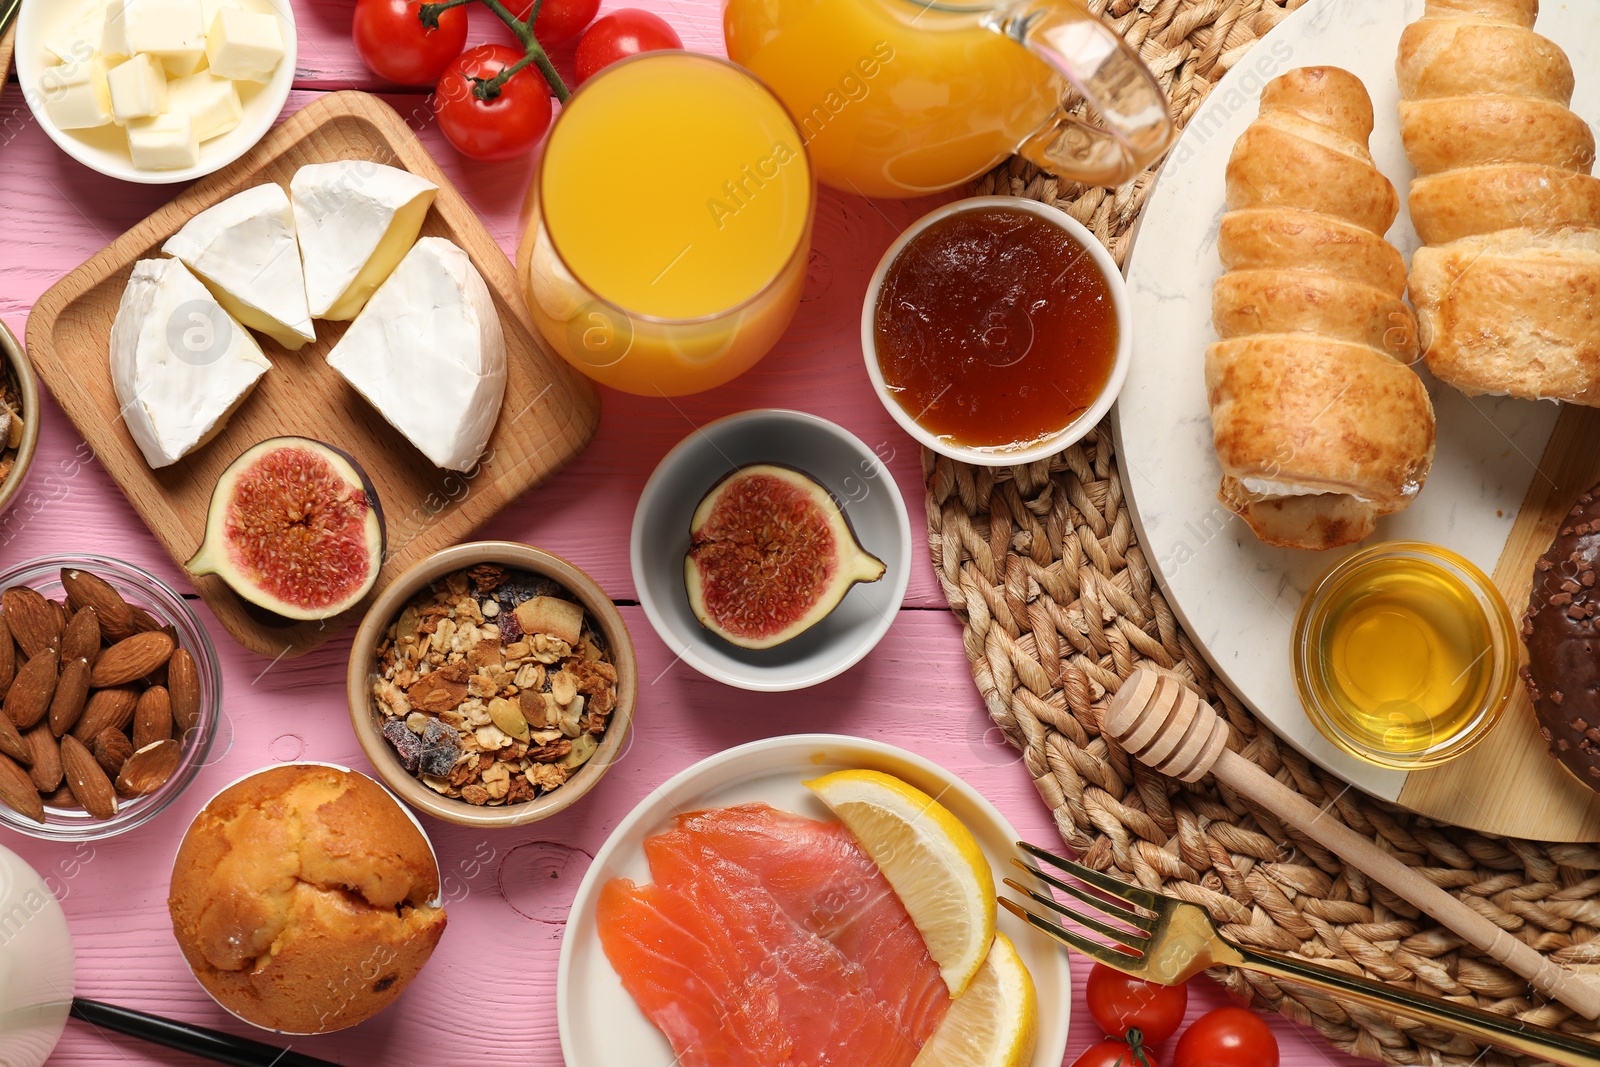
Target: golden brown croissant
{"points": [[1318, 419], [1507, 285]]}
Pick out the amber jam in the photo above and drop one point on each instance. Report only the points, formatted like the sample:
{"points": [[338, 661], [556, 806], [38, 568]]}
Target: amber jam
{"points": [[995, 328]]}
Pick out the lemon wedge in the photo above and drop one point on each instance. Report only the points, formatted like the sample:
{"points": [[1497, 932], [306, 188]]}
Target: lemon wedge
{"points": [[931, 860], [994, 1023]]}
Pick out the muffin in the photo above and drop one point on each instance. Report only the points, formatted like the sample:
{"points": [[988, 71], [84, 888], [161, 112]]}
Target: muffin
{"points": [[303, 899]]}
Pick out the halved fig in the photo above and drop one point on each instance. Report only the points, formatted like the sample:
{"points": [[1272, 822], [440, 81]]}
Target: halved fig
{"points": [[770, 555], [295, 527]]}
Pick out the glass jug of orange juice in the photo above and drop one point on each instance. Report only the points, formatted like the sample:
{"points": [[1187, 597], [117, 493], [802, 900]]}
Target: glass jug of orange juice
{"points": [[899, 98]]}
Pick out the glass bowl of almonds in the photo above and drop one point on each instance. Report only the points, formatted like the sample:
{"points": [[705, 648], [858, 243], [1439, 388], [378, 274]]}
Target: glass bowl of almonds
{"points": [[111, 689], [492, 684]]}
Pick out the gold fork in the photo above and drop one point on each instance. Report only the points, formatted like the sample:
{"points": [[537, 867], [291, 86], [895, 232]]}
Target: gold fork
{"points": [[1178, 940]]}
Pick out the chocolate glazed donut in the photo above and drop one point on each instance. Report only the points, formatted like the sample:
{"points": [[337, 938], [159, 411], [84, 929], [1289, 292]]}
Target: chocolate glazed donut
{"points": [[1562, 634]]}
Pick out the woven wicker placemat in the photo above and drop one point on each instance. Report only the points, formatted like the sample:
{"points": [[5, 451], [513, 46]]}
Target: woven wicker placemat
{"points": [[1059, 605]]}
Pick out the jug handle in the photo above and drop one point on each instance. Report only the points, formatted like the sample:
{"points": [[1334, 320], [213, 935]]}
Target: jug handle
{"points": [[1136, 119]]}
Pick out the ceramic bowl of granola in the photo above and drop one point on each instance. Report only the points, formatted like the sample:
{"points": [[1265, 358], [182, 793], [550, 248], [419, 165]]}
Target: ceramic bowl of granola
{"points": [[492, 684], [19, 417]]}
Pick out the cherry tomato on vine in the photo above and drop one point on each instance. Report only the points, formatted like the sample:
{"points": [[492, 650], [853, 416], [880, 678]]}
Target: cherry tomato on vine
{"points": [[503, 128], [1119, 1003], [1114, 1052], [559, 20], [1227, 1037], [395, 45], [619, 35]]}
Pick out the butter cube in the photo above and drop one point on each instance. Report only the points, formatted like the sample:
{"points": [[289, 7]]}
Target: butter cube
{"points": [[138, 88], [171, 30], [114, 32], [211, 7], [166, 142], [76, 37], [244, 45], [211, 102], [76, 96]]}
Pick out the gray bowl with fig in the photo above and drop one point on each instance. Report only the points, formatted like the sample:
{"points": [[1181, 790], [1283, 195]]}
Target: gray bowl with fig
{"points": [[111, 694], [771, 549]]}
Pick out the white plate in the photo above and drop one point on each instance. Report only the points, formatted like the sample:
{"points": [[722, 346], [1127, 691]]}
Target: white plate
{"points": [[600, 1024], [106, 149], [1236, 596]]}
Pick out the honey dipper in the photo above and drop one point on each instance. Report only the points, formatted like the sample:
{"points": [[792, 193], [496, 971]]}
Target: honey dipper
{"points": [[1166, 726]]}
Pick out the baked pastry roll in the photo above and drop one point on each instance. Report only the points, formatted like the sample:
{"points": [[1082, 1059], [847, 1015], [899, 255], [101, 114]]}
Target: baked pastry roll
{"points": [[1507, 285], [1319, 421]]}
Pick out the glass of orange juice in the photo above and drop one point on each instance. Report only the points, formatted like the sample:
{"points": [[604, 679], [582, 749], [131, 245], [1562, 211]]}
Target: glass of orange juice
{"points": [[670, 224]]}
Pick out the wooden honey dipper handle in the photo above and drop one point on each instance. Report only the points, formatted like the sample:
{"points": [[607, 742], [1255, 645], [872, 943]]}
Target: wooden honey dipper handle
{"points": [[1164, 725]]}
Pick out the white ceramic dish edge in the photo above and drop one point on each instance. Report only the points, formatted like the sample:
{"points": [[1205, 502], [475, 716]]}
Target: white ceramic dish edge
{"points": [[261, 111], [795, 757], [1068, 435]]}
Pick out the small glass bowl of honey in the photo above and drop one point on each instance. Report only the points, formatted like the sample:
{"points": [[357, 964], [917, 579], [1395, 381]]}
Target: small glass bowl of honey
{"points": [[1404, 655]]}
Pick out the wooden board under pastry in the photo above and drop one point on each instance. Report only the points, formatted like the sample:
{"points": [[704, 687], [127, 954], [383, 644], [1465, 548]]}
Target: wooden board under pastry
{"points": [[548, 415], [1548, 802]]}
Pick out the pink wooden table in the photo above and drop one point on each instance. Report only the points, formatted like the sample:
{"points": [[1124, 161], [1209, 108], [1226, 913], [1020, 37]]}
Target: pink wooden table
{"points": [[489, 993]]}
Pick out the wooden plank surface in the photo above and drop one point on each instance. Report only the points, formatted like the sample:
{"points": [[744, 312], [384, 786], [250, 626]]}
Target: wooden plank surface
{"points": [[489, 994], [1510, 782], [549, 413]]}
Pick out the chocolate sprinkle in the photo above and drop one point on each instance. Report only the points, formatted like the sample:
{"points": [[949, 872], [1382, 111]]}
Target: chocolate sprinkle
{"points": [[1563, 670]]}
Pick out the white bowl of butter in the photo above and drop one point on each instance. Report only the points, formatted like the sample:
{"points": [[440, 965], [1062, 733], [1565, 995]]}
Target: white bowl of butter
{"points": [[156, 91]]}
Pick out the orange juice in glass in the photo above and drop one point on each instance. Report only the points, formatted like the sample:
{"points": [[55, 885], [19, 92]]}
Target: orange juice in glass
{"points": [[670, 225]]}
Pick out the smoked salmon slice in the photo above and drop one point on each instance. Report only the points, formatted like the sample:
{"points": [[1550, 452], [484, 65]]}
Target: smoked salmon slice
{"points": [[767, 939]]}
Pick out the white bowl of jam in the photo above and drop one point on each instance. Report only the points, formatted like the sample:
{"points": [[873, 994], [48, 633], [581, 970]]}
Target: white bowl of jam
{"points": [[996, 330]]}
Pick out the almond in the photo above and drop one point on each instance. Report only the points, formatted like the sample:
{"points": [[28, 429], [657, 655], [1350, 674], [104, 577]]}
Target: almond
{"points": [[62, 798], [106, 707], [91, 590], [8, 655], [31, 692], [149, 768], [35, 622], [183, 687], [11, 742], [111, 750], [131, 659], [86, 779], [17, 791], [72, 692], [81, 639], [46, 769], [152, 717], [142, 621]]}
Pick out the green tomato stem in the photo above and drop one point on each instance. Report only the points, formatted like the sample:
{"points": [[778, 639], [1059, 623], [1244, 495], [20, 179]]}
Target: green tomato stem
{"points": [[530, 43], [489, 88], [429, 14]]}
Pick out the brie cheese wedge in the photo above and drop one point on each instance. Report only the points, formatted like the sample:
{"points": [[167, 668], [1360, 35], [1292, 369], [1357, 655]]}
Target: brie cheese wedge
{"points": [[428, 352], [180, 364], [245, 250], [356, 220]]}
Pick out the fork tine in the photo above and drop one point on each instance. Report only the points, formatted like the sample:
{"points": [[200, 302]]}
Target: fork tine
{"points": [[1142, 923], [1122, 937], [1122, 961], [1128, 894]]}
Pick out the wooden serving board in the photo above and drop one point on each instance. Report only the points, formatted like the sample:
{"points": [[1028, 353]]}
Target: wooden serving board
{"points": [[550, 411], [1504, 471]]}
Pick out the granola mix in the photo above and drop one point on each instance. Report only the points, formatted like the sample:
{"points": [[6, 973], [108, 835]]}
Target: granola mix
{"points": [[493, 686], [11, 424]]}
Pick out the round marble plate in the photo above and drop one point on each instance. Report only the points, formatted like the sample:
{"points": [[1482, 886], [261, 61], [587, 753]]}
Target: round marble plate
{"points": [[1236, 596]]}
